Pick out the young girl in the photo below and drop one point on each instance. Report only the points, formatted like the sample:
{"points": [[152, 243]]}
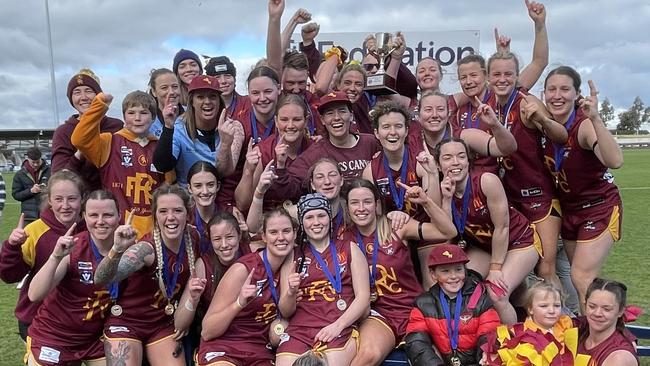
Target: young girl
{"points": [[157, 268], [69, 324], [453, 318], [546, 337], [125, 158], [602, 331], [332, 277], [393, 283], [29, 247], [236, 326], [204, 183]]}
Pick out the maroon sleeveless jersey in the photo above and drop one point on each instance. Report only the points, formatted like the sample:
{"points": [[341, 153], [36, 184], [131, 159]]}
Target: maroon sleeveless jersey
{"points": [[250, 328], [525, 180], [73, 313], [616, 342], [318, 309], [396, 284], [479, 227], [582, 181], [466, 117], [142, 300]]}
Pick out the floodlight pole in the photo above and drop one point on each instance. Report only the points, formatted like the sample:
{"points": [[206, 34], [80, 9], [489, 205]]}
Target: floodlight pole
{"points": [[52, 78]]}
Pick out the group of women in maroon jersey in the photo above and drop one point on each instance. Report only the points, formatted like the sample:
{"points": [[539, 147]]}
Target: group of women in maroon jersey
{"points": [[312, 227]]}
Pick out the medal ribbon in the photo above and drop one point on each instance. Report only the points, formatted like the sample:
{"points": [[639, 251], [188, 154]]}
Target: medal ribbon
{"points": [[204, 240], [511, 101], [113, 287], [398, 196], [169, 287], [270, 277], [334, 279], [311, 126], [452, 328], [469, 121], [338, 220], [460, 219], [267, 132], [375, 254], [233, 105], [559, 149]]}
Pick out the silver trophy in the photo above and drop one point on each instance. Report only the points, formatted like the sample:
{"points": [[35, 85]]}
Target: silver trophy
{"points": [[381, 83]]}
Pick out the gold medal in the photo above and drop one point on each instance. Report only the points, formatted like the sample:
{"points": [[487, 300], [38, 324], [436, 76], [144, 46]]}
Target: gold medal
{"points": [[278, 329], [373, 296], [455, 361], [116, 310], [169, 309], [341, 304]]}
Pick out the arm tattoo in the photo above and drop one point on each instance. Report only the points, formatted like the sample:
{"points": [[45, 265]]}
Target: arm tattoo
{"points": [[132, 260], [119, 356]]}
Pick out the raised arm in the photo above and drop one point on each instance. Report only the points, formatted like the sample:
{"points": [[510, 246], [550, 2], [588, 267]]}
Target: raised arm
{"points": [[246, 186], [594, 135], [53, 271], [163, 156], [18, 254], [501, 143], [498, 206], [87, 137], [274, 49], [309, 32], [301, 16], [231, 135], [289, 288], [184, 315], [534, 115], [235, 291], [125, 257], [440, 228], [255, 212], [531, 73]]}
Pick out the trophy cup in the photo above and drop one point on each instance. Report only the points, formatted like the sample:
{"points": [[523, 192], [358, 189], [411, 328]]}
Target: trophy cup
{"points": [[381, 83]]}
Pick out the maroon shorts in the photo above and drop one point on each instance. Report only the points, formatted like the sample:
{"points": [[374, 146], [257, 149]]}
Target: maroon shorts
{"points": [[536, 210], [394, 322], [301, 339], [122, 330], [590, 223], [233, 352], [44, 353]]}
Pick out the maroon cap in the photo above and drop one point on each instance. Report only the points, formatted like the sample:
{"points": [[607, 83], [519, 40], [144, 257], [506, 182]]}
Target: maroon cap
{"points": [[446, 254], [331, 98], [204, 82], [85, 77]]}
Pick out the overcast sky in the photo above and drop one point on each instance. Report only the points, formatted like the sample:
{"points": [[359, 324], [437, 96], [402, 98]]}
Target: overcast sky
{"points": [[122, 40]]}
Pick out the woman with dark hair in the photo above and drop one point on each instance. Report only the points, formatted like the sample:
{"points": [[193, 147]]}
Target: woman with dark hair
{"points": [[393, 283], [226, 73], [69, 324], [590, 201], [29, 247], [203, 184], [332, 277], [602, 330], [500, 242], [237, 326], [157, 268]]}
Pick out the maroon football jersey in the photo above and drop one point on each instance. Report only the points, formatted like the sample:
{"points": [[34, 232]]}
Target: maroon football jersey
{"points": [[130, 175], [73, 313], [583, 181], [479, 227], [466, 117], [360, 109], [380, 179]]}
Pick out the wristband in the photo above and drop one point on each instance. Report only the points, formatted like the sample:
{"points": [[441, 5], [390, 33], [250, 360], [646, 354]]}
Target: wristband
{"points": [[495, 266], [239, 305], [113, 254], [57, 257], [420, 230], [259, 195], [334, 51]]}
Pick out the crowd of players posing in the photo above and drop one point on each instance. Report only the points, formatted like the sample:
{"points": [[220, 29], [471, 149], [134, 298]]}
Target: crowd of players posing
{"points": [[185, 234]]}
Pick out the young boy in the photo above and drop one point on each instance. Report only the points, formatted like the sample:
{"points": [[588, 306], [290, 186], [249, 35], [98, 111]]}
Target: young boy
{"points": [[453, 318], [125, 158]]}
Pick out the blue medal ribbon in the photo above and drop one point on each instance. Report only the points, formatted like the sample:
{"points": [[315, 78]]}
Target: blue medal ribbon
{"points": [[267, 132], [204, 240], [398, 196], [334, 279], [460, 219], [338, 220], [233, 105], [452, 328], [113, 287], [169, 286], [311, 126], [270, 277], [558, 149], [375, 255], [508, 107], [469, 121]]}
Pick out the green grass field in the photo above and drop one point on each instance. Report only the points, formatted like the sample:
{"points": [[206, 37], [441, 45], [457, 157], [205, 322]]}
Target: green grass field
{"points": [[625, 262]]}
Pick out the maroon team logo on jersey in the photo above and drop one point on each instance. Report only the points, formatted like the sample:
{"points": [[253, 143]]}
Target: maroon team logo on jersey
{"points": [[142, 160]]}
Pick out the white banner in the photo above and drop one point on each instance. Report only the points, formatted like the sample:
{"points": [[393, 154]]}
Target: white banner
{"points": [[447, 47]]}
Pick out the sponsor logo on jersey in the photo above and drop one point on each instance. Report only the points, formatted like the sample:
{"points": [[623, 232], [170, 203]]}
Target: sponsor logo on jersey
{"points": [[212, 355], [85, 265]]}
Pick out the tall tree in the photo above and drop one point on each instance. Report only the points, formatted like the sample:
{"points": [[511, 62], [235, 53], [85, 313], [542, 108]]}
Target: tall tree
{"points": [[606, 111], [630, 120]]}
